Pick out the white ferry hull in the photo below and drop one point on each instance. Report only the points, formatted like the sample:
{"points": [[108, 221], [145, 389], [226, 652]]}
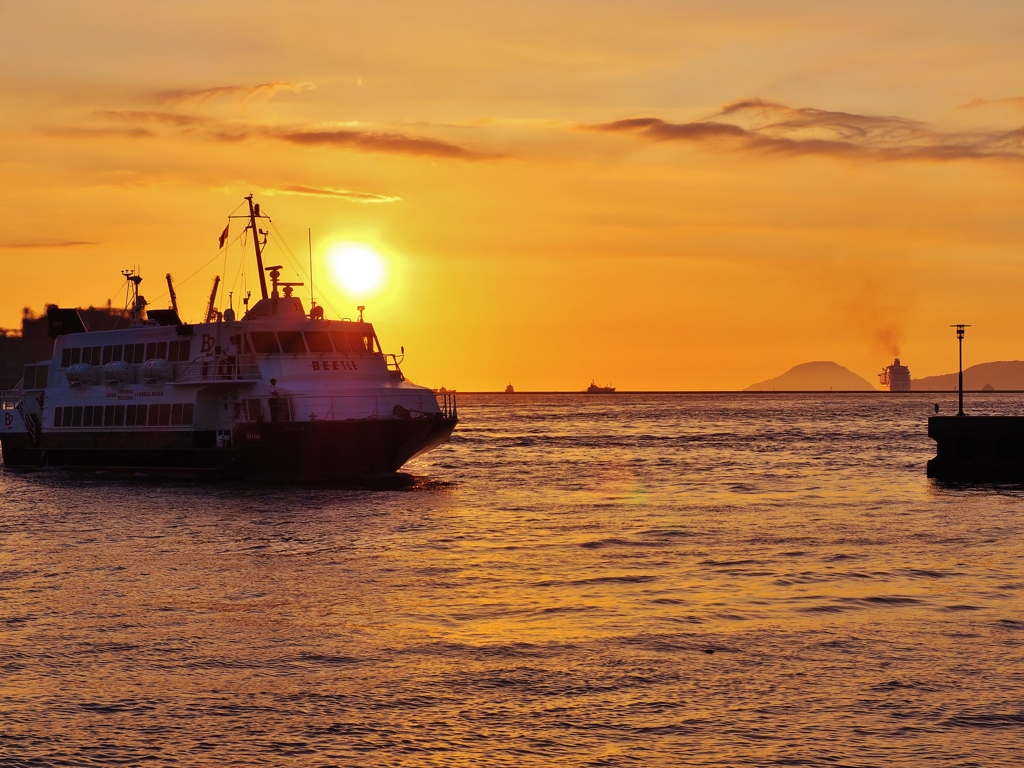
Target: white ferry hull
{"points": [[314, 451]]}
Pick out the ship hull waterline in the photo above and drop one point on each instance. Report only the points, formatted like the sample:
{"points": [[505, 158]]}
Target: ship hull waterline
{"points": [[309, 451]]}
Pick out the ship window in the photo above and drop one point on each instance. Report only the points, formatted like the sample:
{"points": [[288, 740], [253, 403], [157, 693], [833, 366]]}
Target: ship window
{"points": [[279, 409], [28, 381], [108, 353], [108, 416], [176, 414], [357, 342], [372, 345], [154, 414], [150, 350], [179, 351], [97, 355], [56, 416], [76, 356], [65, 358], [129, 415], [118, 349], [246, 347], [118, 415], [187, 413], [161, 350], [68, 416], [42, 375], [165, 414], [134, 353], [291, 342], [319, 342], [253, 410], [76, 416], [341, 343], [87, 416], [265, 343]]}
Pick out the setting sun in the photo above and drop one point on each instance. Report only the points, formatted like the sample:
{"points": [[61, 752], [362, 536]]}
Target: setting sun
{"points": [[357, 267]]}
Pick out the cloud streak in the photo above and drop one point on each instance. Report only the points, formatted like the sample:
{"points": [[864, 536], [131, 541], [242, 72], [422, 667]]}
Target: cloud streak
{"points": [[44, 244], [142, 116], [343, 194], [137, 124], [391, 143], [263, 91], [772, 128], [1011, 101], [79, 132]]}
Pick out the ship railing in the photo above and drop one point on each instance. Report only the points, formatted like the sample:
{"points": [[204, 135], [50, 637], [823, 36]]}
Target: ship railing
{"points": [[220, 368], [447, 404], [394, 367]]}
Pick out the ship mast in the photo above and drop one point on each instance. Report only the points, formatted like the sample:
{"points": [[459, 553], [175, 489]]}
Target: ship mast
{"points": [[254, 211]]}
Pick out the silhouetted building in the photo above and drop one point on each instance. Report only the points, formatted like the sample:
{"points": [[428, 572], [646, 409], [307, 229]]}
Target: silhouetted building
{"points": [[895, 377], [33, 344]]}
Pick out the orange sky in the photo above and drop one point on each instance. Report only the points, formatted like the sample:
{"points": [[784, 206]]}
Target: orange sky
{"points": [[660, 195]]}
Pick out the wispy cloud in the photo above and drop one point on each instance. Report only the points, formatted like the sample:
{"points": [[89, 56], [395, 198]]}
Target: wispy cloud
{"points": [[344, 194], [80, 132], [242, 92], [44, 244], [1010, 101], [142, 116], [392, 143], [774, 128], [146, 124]]}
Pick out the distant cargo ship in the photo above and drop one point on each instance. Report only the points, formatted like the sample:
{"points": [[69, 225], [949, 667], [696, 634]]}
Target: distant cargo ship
{"points": [[510, 390], [593, 389], [895, 377]]}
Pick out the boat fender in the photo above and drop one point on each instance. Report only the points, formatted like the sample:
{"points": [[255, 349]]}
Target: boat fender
{"points": [[401, 412]]}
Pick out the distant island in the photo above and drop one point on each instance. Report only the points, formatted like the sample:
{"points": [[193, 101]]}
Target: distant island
{"points": [[984, 376], [818, 376]]}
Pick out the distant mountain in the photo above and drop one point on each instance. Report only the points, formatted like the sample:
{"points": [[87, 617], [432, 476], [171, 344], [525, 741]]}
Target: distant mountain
{"points": [[999, 375], [813, 377]]}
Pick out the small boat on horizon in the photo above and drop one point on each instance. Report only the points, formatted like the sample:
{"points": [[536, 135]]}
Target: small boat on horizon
{"points": [[594, 389], [509, 390]]}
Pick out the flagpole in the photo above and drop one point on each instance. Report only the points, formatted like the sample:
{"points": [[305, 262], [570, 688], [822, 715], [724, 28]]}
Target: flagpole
{"points": [[309, 240]]}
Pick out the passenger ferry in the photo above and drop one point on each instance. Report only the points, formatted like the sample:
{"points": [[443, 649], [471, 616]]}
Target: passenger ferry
{"points": [[280, 394]]}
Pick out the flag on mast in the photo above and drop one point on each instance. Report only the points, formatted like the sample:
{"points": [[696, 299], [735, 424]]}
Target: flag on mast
{"points": [[224, 235]]}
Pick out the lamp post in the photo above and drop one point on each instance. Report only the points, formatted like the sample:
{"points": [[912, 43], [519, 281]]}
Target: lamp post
{"points": [[960, 340]]}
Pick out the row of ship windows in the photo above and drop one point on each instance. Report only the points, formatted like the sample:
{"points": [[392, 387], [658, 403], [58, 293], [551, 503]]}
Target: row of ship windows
{"points": [[174, 351], [317, 342], [147, 414], [259, 342]]}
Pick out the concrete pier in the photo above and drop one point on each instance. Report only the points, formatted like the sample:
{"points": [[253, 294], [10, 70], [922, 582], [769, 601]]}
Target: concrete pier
{"points": [[986, 449]]}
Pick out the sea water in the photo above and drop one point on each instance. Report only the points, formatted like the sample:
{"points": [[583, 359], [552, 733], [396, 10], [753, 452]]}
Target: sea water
{"points": [[607, 580]]}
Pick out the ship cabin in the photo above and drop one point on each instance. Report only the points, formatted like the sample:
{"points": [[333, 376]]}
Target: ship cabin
{"points": [[276, 364]]}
